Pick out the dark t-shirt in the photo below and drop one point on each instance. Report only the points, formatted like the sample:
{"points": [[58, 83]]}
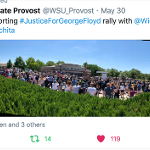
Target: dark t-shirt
{"points": [[14, 75], [135, 87], [99, 83], [94, 85], [108, 91], [86, 80], [27, 75], [132, 93], [66, 79], [89, 83], [103, 85], [139, 87], [82, 90], [46, 83], [37, 77], [146, 90], [57, 79], [113, 87]]}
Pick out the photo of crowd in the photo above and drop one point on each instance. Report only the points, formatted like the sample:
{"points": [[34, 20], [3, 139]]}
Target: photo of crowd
{"points": [[62, 78], [94, 85]]}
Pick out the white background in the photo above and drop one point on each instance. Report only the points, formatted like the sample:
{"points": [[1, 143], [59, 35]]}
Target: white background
{"points": [[134, 9], [78, 132]]}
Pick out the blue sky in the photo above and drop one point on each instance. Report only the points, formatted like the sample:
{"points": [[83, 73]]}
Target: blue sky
{"points": [[118, 54]]}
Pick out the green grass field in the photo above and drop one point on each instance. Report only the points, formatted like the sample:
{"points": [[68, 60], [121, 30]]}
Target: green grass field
{"points": [[21, 98]]}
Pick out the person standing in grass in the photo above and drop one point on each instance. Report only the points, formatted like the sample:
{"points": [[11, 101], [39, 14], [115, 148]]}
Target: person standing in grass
{"points": [[30, 78], [135, 87], [47, 84], [42, 81], [97, 88], [61, 85], [37, 78], [108, 91], [146, 90], [64, 87], [126, 88], [143, 86], [69, 87], [132, 93], [91, 90], [55, 85], [4, 74], [122, 90], [82, 89], [139, 87], [51, 80], [34, 76], [22, 78], [117, 91], [103, 87], [149, 87], [113, 88], [76, 88], [132, 85]]}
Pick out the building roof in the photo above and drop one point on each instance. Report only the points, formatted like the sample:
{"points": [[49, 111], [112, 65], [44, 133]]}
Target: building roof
{"points": [[76, 67], [101, 72], [71, 64], [48, 66], [3, 63]]}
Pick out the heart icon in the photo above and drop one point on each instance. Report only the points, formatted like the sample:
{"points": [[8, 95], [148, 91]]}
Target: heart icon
{"points": [[100, 138]]}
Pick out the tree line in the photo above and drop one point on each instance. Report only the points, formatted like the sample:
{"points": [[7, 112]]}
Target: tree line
{"points": [[36, 65], [133, 73], [30, 63]]}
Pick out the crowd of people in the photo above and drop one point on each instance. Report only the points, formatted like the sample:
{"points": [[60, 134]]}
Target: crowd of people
{"points": [[110, 87]]}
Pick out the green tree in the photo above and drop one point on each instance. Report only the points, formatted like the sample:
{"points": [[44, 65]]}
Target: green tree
{"points": [[117, 73], [50, 63], [34, 66], [39, 64], [9, 64], [126, 74], [113, 72], [19, 63], [148, 78], [134, 73], [60, 62], [29, 61], [142, 76], [93, 68], [109, 74]]}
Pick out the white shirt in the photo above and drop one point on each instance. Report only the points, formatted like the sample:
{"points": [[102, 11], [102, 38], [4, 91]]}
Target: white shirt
{"points": [[34, 78], [76, 89], [42, 81], [68, 88], [54, 86], [91, 90], [122, 87], [55, 76]]}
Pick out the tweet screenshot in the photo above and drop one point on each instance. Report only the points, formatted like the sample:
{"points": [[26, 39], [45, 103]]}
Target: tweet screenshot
{"points": [[74, 75]]}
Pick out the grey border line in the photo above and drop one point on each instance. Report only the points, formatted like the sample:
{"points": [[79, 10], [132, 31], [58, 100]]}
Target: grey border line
{"points": [[77, 40], [80, 0], [74, 148]]}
